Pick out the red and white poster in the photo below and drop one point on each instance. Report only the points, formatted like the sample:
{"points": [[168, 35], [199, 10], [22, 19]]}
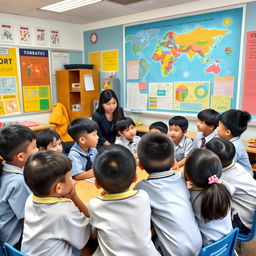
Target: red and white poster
{"points": [[25, 35]]}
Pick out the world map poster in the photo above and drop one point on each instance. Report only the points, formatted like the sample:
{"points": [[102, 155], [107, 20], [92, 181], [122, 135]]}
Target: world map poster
{"points": [[188, 52]]}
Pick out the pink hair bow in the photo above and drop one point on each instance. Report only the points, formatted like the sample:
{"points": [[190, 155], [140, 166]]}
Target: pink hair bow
{"points": [[213, 179]]}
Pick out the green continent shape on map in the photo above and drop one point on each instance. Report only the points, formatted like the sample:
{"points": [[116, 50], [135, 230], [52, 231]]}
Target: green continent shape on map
{"points": [[144, 67], [196, 42]]}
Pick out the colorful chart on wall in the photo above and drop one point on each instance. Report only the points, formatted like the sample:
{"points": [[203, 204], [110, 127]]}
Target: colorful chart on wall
{"points": [[35, 80], [9, 87], [186, 64]]}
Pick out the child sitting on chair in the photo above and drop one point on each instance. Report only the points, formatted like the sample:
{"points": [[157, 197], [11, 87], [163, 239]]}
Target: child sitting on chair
{"points": [[49, 140], [159, 127]]}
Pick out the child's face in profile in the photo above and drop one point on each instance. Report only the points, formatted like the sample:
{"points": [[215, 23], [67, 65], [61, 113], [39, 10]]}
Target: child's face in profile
{"points": [[31, 149], [129, 133], [55, 145], [91, 139], [154, 130], [204, 128], [223, 131], [175, 133], [67, 185]]}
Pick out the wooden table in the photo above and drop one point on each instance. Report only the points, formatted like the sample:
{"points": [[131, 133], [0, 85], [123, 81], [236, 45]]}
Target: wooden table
{"points": [[40, 127]]}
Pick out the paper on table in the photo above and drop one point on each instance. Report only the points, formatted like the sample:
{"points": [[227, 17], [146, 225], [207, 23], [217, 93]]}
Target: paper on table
{"points": [[91, 180], [88, 82]]}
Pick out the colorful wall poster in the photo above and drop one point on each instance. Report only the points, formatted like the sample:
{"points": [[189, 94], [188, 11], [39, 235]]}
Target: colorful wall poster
{"points": [[220, 103], [94, 58], [188, 49], [55, 37], [135, 99], [40, 36], [25, 36], [223, 86], [35, 79], [249, 88], [191, 96], [109, 60], [9, 88], [7, 33], [133, 70]]}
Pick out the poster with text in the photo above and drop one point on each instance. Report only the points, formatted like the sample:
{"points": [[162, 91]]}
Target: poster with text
{"points": [[25, 36], [7, 33], [109, 61]]}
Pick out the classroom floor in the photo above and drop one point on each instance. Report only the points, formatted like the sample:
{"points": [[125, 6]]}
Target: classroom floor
{"points": [[247, 249]]}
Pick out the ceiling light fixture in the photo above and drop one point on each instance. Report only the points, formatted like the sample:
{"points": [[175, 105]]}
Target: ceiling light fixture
{"points": [[68, 5]]}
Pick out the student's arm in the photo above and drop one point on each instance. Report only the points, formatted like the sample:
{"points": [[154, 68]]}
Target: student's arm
{"points": [[180, 163], [84, 175]]}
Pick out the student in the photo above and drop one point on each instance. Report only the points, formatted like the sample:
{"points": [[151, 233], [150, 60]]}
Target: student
{"points": [[178, 126], [158, 127], [49, 140], [84, 132], [207, 123], [243, 201], [231, 125], [17, 143], [121, 217], [172, 214], [209, 197], [54, 215], [128, 138]]}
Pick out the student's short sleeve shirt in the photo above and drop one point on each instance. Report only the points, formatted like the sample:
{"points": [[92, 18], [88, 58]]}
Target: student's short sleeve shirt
{"points": [[132, 146], [198, 140], [183, 149], [53, 226], [13, 195], [241, 155], [79, 160]]}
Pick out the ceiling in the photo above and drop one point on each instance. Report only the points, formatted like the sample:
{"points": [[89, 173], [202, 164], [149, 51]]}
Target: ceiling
{"points": [[83, 15]]}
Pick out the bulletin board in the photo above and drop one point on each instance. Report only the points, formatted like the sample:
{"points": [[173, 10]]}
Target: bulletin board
{"points": [[184, 65]]}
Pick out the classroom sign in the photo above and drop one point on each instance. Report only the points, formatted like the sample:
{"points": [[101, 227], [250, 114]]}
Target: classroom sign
{"points": [[9, 89], [189, 53], [35, 80]]}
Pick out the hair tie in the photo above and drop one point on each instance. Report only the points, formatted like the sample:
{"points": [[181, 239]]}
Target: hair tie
{"points": [[213, 179]]}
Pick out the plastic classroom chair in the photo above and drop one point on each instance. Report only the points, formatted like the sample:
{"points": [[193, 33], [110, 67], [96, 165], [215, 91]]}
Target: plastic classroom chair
{"points": [[223, 247], [248, 237], [11, 251]]}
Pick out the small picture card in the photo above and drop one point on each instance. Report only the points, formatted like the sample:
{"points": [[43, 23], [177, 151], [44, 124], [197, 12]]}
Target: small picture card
{"points": [[40, 36], [25, 35], [55, 37], [7, 33]]}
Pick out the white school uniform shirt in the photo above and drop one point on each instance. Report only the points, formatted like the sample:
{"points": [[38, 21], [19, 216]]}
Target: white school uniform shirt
{"points": [[172, 214], [13, 195], [53, 226], [212, 230], [241, 155], [183, 149], [132, 146], [198, 140], [244, 198], [122, 224]]}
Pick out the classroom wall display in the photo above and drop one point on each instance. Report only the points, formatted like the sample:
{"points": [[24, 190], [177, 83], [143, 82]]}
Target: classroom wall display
{"points": [[7, 33], [40, 36], [55, 37], [109, 60], [35, 76], [25, 35], [9, 88], [185, 64]]}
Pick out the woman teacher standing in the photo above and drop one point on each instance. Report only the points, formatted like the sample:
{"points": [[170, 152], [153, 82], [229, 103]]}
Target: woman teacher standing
{"points": [[106, 115]]}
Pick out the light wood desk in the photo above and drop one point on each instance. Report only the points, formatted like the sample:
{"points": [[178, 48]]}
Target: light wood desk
{"points": [[40, 127], [87, 190]]}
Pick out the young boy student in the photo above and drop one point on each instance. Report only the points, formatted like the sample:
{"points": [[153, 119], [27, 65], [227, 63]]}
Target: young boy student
{"points": [[158, 127], [243, 202], [55, 219], [178, 126], [84, 132], [17, 143], [121, 217], [231, 125], [172, 214], [49, 140], [127, 131], [208, 120]]}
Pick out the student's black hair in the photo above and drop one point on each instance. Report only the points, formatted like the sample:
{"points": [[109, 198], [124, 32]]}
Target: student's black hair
{"points": [[80, 126], [161, 126], [106, 96], [180, 121], [156, 152], [216, 199], [124, 124], [44, 138], [114, 168], [14, 139], [235, 120], [224, 149], [43, 169], [209, 116]]}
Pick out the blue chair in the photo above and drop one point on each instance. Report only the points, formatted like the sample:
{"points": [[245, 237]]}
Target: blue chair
{"points": [[223, 247], [248, 237], [11, 251]]}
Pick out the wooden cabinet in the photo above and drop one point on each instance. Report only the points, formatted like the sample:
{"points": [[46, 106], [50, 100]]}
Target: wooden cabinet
{"points": [[78, 100]]}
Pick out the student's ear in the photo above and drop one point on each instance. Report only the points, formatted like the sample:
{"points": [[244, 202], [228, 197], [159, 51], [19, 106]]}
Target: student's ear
{"points": [[82, 140], [228, 132], [21, 157], [135, 178], [97, 185], [120, 133], [57, 188], [140, 165], [185, 131]]}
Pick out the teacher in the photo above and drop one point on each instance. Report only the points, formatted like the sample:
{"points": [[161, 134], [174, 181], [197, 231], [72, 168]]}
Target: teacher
{"points": [[106, 115]]}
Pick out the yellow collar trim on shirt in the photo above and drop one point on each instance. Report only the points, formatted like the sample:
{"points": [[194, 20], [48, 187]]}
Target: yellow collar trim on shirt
{"points": [[12, 171], [152, 175], [228, 167], [49, 200], [117, 196]]}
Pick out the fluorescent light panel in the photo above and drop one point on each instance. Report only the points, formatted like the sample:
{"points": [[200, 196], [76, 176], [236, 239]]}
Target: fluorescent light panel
{"points": [[68, 5]]}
